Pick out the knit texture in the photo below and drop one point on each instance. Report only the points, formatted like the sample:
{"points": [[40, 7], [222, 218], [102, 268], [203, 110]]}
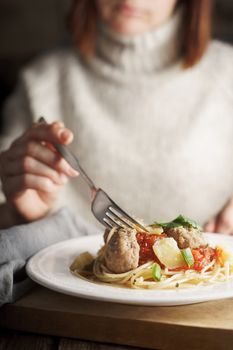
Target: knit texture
{"points": [[156, 137], [19, 243]]}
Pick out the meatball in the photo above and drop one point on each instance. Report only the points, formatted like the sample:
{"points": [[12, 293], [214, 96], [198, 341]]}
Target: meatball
{"points": [[186, 237], [121, 252]]}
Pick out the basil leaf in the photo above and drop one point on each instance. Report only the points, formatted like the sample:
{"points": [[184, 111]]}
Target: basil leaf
{"points": [[179, 221]]}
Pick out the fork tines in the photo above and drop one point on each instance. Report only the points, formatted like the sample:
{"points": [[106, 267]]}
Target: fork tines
{"points": [[116, 217]]}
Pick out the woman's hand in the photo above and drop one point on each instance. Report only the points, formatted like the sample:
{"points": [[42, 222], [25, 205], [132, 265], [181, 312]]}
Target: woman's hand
{"points": [[32, 172], [222, 222]]}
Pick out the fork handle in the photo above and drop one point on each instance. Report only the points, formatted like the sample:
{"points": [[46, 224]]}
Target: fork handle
{"points": [[64, 151], [72, 160]]}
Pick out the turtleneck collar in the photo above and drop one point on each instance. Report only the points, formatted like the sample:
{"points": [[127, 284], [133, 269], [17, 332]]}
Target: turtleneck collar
{"points": [[143, 53]]}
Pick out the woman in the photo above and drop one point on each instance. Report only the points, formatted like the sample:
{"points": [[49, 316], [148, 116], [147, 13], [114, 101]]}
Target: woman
{"points": [[149, 101]]}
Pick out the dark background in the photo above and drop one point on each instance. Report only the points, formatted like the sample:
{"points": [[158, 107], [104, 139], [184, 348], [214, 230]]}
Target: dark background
{"points": [[30, 27]]}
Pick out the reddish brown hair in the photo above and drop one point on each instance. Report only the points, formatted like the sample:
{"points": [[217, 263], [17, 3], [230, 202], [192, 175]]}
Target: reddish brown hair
{"points": [[197, 28]]}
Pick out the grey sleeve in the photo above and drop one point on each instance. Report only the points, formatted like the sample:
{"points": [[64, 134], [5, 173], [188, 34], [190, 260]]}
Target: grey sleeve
{"points": [[19, 243]]}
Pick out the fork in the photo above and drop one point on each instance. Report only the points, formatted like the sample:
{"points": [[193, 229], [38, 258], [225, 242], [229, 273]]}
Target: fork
{"points": [[105, 210]]}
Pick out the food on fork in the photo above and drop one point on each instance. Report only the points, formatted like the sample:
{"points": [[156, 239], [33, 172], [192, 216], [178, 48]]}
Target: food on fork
{"points": [[169, 255]]}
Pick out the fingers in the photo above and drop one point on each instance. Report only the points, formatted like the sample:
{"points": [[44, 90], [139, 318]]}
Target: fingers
{"points": [[43, 154], [210, 226], [32, 163], [29, 165], [51, 133], [223, 222], [17, 184]]}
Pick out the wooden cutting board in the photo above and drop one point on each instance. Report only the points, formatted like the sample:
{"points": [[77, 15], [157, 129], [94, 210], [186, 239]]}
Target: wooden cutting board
{"points": [[200, 326]]}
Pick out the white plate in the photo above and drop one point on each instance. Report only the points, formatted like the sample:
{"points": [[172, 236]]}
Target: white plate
{"points": [[50, 268]]}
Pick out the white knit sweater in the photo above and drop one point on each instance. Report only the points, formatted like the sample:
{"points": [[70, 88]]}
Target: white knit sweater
{"points": [[157, 138]]}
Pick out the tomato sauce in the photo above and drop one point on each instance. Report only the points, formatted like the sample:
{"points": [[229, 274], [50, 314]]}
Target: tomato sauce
{"points": [[146, 242], [203, 257]]}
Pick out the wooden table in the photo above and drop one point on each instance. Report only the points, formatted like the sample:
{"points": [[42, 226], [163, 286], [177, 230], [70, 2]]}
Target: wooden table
{"points": [[10, 340], [66, 322]]}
